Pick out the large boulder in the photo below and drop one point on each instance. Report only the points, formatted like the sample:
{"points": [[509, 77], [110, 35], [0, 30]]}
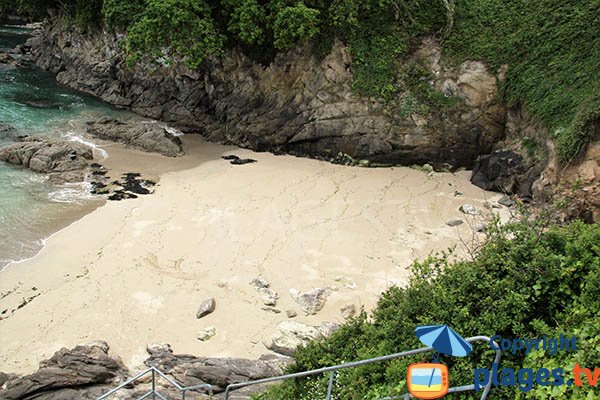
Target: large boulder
{"points": [[66, 373], [65, 160], [218, 372], [311, 301], [293, 334], [145, 135]]}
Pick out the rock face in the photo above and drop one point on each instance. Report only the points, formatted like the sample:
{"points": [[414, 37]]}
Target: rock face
{"points": [[505, 171], [64, 160], [219, 372], [149, 136], [518, 161], [66, 373], [297, 104]]}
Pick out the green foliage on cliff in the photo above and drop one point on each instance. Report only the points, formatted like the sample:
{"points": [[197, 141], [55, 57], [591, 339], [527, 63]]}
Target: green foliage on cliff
{"points": [[525, 282], [26, 8], [172, 29], [119, 14], [552, 48]]}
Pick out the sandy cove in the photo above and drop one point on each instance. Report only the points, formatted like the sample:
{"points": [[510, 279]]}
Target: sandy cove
{"points": [[134, 272]]}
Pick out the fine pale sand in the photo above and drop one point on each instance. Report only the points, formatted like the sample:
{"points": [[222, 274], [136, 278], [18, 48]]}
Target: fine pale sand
{"points": [[134, 272]]}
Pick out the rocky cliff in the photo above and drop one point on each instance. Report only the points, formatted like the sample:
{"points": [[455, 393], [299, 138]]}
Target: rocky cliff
{"points": [[298, 104]]}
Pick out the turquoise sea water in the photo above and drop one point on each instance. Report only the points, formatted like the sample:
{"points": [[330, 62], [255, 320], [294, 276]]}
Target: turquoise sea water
{"points": [[33, 103]]}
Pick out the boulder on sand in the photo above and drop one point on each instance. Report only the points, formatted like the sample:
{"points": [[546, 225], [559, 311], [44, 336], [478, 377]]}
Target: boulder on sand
{"points": [[312, 301], [206, 307], [293, 334], [151, 136]]}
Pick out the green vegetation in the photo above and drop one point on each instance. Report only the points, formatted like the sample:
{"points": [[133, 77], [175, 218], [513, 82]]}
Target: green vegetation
{"points": [[525, 282], [553, 50], [552, 47]]}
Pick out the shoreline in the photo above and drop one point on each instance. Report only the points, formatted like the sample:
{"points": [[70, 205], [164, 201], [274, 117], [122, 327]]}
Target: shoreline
{"points": [[88, 203], [299, 223]]}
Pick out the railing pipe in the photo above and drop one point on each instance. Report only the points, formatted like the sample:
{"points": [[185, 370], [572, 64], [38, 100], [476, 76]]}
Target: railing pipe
{"points": [[303, 374], [330, 385]]}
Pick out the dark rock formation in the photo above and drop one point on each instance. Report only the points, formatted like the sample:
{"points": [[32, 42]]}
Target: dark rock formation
{"points": [[145, 135], [17, 57], [235, 160], [65, 161], [128, 187], [219, 372], [507, 172], [7, 62], [297, 104], [8, 132], [65, 375]]}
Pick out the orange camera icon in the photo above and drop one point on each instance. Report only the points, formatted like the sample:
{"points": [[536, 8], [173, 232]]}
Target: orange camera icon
{"points": [[427, 380]]}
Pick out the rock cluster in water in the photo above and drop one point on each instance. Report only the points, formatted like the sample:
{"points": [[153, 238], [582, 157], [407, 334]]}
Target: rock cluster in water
{"points": [[63, 160]]}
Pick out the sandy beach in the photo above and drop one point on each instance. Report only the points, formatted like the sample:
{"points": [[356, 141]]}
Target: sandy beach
{"points": [[134, 272]]}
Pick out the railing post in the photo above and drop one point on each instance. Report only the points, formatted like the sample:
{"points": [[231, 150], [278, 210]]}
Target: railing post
{"points": [[153, 384], [330, 385]]}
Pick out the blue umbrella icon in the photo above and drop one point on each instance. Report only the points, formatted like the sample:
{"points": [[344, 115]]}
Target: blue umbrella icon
{"points": [[444, 340]]}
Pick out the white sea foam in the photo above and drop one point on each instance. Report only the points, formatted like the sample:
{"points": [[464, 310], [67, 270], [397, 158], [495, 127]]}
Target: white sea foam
{"points": [[99, 152], [173, 131], [72, 193], [5, 263]]}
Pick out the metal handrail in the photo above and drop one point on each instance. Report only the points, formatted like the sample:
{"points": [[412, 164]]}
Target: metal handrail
{"points": [[335, 368], [331, 370], [153, 392]]}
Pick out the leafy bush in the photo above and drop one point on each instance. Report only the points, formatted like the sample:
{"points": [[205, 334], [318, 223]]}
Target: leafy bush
{"points": [[552, 48], [171, 29], [292, 24], [246, 21], [118, 14], [525, 283]]}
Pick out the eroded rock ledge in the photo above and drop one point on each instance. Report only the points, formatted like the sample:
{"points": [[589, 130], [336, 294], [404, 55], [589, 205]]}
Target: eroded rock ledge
{"points": [[88, 371]]}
